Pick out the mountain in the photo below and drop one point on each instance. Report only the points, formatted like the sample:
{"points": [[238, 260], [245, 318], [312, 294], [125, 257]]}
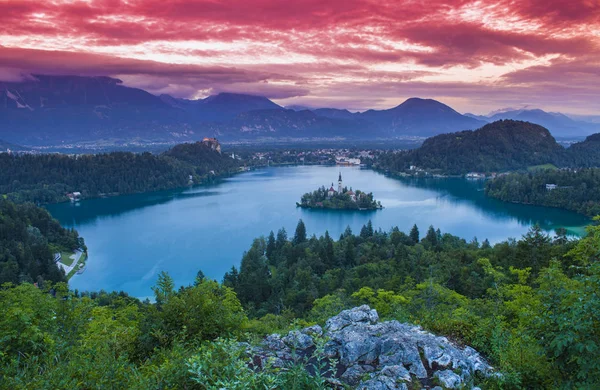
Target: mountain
{"points": [[335, 113], [226, 106], [420, 117], [559, 124], [478, 117], [297, 107], [499, 146], [294, 124], [52, 110]]}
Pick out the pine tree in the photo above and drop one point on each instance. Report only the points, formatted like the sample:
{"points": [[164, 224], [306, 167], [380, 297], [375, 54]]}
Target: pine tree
{"points": [[431, 237], [271, 246], [367, 230], [300, 235], [164, 289], [414, 234], [329, 252], [281, 238]]}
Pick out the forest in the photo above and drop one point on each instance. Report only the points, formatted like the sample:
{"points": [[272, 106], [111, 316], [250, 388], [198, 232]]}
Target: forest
{"points": [[47, 178], [531, 306], [501, 146], [572, 189], [29, 237]]}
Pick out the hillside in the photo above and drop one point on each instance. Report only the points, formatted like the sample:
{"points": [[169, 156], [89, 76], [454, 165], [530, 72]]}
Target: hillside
{"points": [[585, 153], [29, 237], [577, 190], [48, 178], [482, 301], [499, 146], [51, 110]]}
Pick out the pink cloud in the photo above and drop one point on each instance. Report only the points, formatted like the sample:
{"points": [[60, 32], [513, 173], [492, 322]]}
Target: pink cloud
{"points": [[312, 49]]}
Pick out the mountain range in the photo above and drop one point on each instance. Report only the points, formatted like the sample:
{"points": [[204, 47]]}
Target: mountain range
{"points": [[51, 110], [559, 124]]}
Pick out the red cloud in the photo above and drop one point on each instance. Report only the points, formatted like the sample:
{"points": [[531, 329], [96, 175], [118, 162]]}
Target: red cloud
{"points": [[305, 47]]}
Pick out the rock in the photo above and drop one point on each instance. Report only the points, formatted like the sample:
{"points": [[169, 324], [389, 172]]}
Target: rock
{"points": [[378, 355], [362, 314], [382, 383], [274, 342], [353, 375], [298, 340], [396, 372], [448, 379], [314, 331]]}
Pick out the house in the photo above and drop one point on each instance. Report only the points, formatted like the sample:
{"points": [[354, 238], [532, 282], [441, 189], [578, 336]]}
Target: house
{"points": [[550, 187], [347, 161], [57, 257], [475, 175], [331, 191], [352, 195], [74, 196]]}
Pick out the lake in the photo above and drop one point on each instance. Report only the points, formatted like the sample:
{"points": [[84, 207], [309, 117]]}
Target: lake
{"points": [[132, 238]]}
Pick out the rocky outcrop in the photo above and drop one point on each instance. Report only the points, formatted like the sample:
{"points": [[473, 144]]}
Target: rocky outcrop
{"points": [[367, 354]]}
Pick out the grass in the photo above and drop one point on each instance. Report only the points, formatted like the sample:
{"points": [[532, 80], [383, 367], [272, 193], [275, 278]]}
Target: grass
{"points": [[66, 258], [541, 167]]}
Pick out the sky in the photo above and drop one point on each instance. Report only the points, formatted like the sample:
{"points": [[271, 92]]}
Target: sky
{"points": [[476, 56]]}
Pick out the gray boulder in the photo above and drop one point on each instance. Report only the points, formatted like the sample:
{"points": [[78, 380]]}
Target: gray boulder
{"points": [[448, 379], [376, 355]]}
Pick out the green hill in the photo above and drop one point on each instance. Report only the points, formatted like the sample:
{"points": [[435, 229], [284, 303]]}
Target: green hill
{"points": [[499, 146], [585, 153], [47, 178]]}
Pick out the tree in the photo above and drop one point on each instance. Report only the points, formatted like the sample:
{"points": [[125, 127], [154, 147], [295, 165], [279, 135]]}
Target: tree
{"points": [[164, 289], [281, 238], [271, 246], [232, 278], [300, 234], [199, 277], [414, 234], [367, 230], [431, 237]]}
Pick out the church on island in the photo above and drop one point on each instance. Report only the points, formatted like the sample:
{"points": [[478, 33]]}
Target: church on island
{"points": [[341, 199], [331, 192]]}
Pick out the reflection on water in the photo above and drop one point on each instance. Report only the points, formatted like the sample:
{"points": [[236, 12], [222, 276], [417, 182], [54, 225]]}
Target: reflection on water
{"points": [[132, 238]]}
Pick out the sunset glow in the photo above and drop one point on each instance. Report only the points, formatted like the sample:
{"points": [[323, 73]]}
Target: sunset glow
{"points": [[475, 55]]}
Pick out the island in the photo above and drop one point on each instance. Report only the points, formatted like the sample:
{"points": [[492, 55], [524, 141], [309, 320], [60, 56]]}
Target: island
{"points": [[340, 199]]}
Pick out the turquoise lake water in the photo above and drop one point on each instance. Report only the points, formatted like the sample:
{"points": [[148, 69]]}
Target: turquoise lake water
{"points": [[132, 238]]}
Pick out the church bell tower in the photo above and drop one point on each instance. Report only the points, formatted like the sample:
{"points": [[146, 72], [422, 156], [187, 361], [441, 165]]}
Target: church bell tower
{"points": [[340, 184]]}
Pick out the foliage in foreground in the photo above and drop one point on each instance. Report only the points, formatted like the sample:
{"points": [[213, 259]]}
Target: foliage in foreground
{"points": [[531, 306]]}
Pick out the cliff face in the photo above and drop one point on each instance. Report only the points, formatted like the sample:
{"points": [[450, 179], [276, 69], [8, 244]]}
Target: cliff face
{"points": [[369, 354]]}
